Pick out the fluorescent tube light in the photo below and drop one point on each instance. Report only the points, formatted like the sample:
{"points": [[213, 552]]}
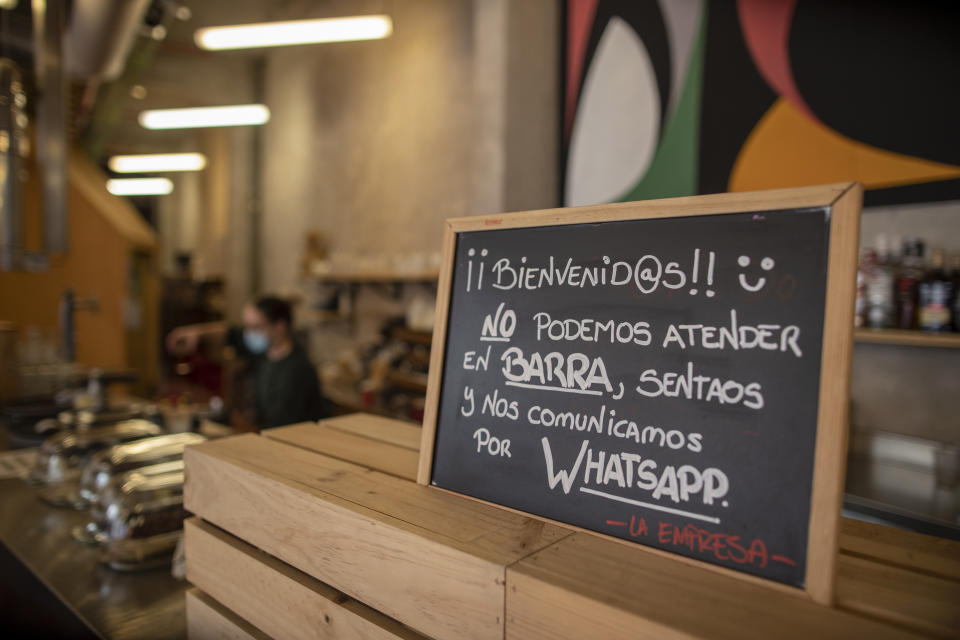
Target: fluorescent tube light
{"points": [[193, 117], [139, 186], [158, 162], [283, 34]]}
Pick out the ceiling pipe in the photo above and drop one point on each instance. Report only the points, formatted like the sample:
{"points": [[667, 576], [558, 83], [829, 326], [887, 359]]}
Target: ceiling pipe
{"points": [[49, 26], [93, 49], [100, 37], [13, 149], [98, 46]]}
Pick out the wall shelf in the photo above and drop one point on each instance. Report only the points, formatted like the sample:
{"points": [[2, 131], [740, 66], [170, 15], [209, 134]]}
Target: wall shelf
{"points": [[352, 402], [907, 338], [412, 335], [360, 277], [410, 381]]}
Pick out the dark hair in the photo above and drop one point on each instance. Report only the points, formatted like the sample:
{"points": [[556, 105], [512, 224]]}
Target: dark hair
{"points": [[275, 309]]}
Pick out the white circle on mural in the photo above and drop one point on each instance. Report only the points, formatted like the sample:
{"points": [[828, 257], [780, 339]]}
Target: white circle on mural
{"points": [[617, 124]]}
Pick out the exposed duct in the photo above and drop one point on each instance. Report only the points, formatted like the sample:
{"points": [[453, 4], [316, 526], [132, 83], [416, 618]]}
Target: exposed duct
{"points": [[93, 48], [49, 21], [100, 37], [13, 149]]}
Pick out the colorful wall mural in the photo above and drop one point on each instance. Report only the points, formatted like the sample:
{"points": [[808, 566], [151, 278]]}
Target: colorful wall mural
{"points": [[677, 97]]}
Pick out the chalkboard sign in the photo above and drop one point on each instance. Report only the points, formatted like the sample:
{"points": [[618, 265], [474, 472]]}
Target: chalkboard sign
{"points": [[671, 373]]}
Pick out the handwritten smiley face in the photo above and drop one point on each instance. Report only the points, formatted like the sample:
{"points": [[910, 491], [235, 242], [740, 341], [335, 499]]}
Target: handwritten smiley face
{"points": [[766, 264]]}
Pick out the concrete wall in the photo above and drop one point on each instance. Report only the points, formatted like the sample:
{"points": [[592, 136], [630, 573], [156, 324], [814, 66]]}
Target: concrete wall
{"points": [[369, 141], [208, 212], [936, 223], [376, 143]]}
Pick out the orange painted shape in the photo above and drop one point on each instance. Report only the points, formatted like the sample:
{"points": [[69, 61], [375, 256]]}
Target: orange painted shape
{"points": [[788, 149]]}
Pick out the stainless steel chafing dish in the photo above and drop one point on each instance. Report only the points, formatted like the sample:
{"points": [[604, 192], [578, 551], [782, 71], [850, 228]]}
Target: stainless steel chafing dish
{"points": [[143, 554], [111, 463], [142, 519], [95, 531], [74, 419], [62, 455], [85, 419]]}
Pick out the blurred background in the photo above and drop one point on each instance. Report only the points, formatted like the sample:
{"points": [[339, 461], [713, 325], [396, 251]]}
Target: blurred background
{"points": [[164, 162]]}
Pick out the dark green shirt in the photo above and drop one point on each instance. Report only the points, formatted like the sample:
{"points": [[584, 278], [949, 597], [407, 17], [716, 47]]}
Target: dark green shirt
{"points": [[285, 390]]}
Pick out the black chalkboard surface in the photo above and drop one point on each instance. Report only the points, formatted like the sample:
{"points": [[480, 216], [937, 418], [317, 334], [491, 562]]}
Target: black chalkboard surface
{"points": [[657, 380]]}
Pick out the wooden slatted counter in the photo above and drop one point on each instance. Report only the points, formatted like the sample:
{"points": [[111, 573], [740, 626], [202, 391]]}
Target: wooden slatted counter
{"points": [[318, 531]]}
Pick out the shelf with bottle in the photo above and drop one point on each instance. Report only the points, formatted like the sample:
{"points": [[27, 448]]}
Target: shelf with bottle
{"points": [[904, 298]]}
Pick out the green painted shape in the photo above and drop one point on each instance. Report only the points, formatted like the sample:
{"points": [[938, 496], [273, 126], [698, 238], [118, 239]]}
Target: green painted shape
{"points": [[673, 171]]}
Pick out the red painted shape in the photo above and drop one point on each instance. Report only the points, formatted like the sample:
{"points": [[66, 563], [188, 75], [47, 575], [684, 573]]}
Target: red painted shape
{"points": [[766, 30], [492, 221], [617, 523], [580, 14], [784, 560]]}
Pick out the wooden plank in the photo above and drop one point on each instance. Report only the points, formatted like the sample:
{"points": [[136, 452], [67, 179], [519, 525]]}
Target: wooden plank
{"points": [[207, 619], [797, 198], [398, 432], [432, 561], [449, 515], [431, 405], [914, 551], [590, 587], [285, 602], [382, 456], [908, 338], [925, 603], [833, 411]]}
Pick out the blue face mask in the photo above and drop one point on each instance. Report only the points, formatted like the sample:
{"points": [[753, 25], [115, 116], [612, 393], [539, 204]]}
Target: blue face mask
{"points": [[255, 341]]}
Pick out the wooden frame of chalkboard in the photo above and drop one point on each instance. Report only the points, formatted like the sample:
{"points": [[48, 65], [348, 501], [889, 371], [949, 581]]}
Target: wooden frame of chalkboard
{"points": [[840, 204]]}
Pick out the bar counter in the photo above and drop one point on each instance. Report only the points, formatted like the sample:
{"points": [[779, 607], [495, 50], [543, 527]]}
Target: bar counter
{"points": [[111, 604]]}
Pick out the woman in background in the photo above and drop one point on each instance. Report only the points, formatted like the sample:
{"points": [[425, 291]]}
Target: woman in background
{"points": [[286, 387]]}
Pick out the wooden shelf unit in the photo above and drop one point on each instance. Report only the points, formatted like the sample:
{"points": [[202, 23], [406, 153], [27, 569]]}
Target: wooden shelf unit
{"points": [[907, 338]]}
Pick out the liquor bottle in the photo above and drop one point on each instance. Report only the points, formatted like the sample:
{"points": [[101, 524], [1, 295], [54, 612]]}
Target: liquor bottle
{"points": [[905, 284], [934, 294], [878, 282], [888, 260], [860, 307], [896, 253]]}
